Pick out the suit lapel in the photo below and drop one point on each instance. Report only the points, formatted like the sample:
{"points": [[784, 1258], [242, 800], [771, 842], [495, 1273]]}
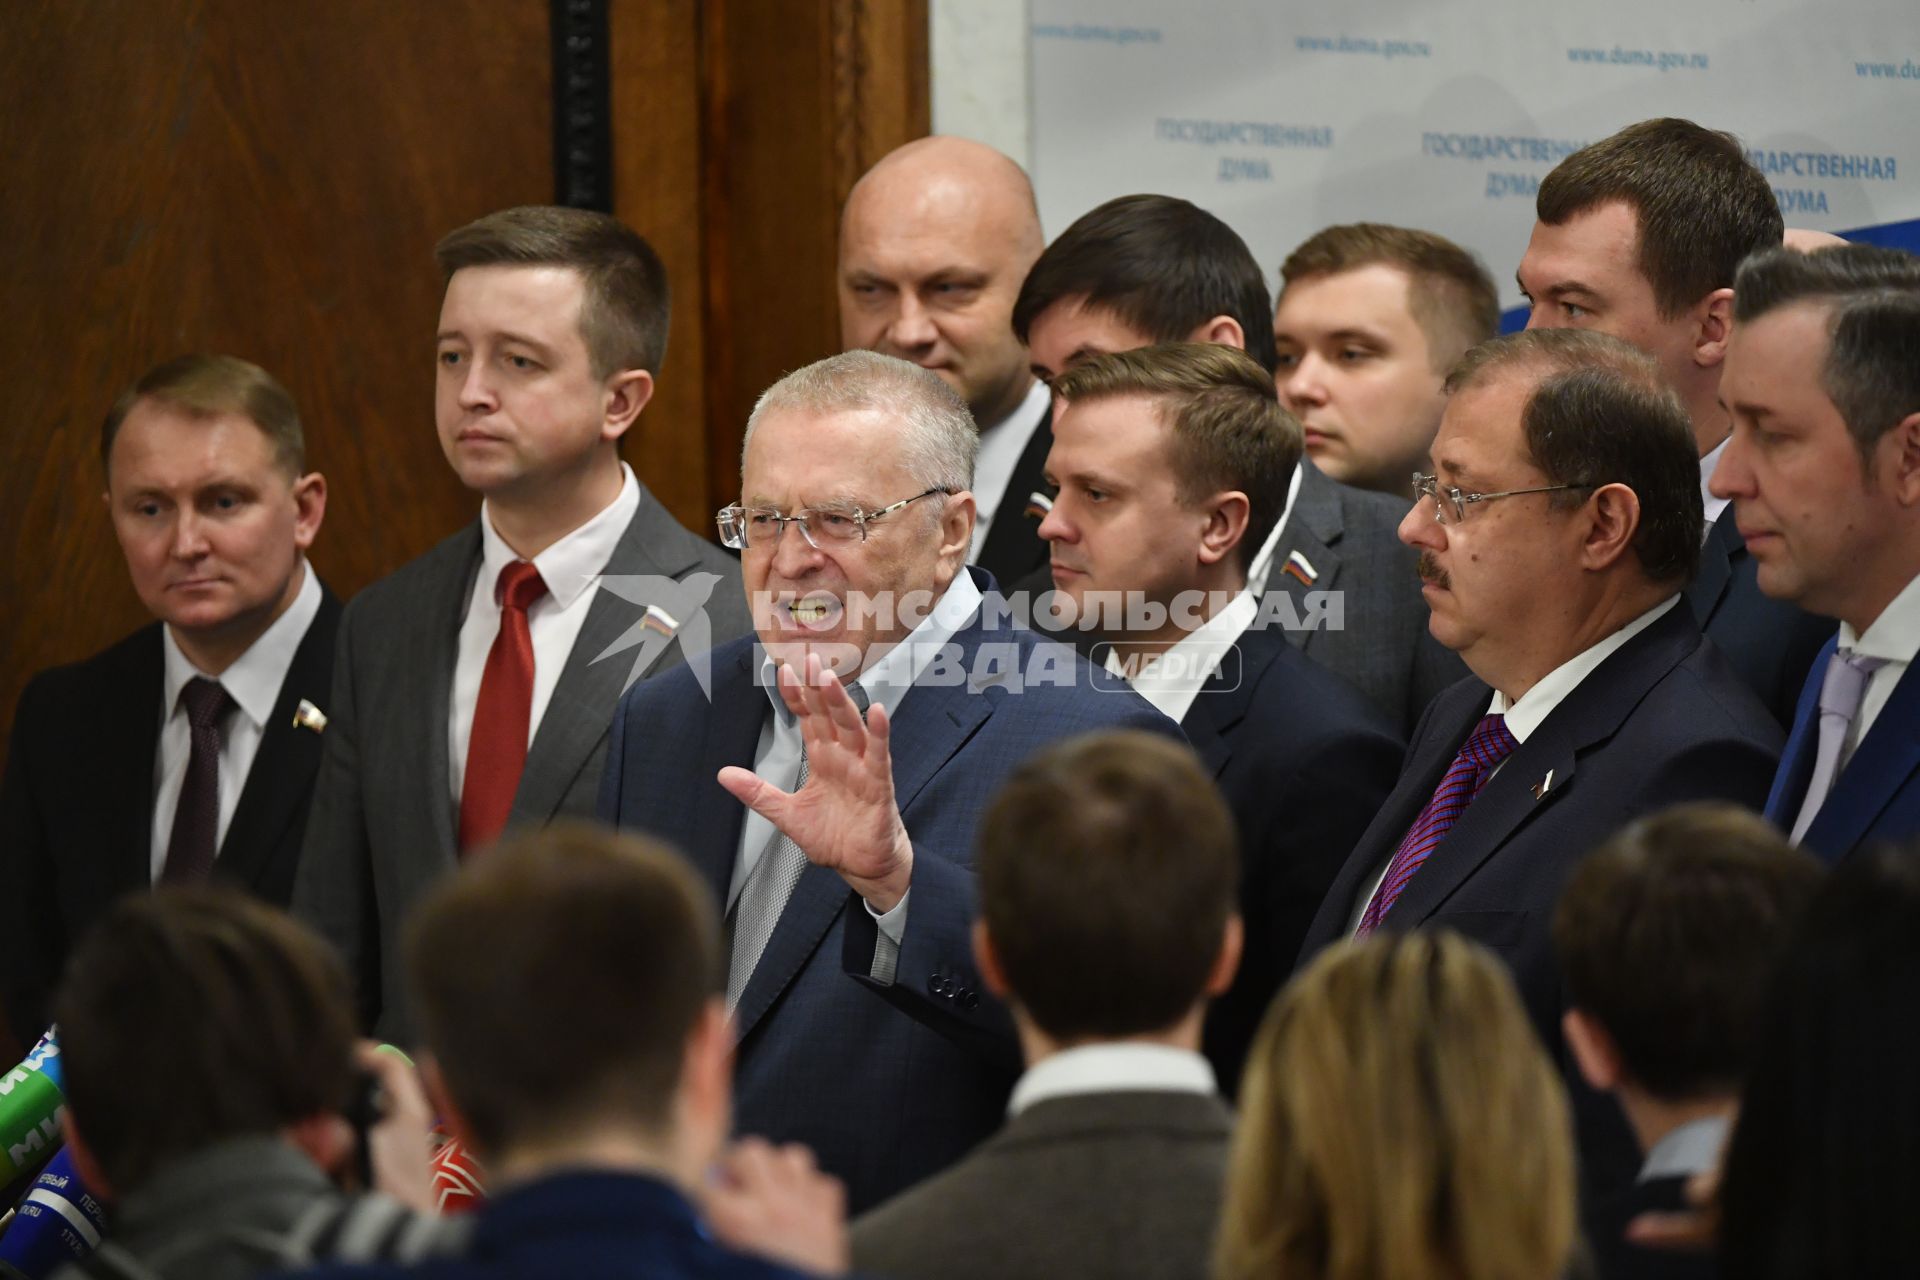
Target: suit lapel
{"points": [[1013, 545], [281, 778], [1796, 759], [740, 709], [1883, 762], [580, 712], [126, 768], [932, 723], [1716, 567], [1222, 703], [1541, 769], [1314, 529]]}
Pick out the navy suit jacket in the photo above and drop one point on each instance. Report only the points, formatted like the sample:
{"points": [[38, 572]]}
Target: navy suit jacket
{"points": [[887, 1083], [582, 1226], [1877, 796], [1663, 720], [1014, 548], [1304, 761], [76, 807], [1769, 643]]}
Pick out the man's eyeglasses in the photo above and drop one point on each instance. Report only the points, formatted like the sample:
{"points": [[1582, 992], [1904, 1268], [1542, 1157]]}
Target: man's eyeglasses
{"points": [[1450, 504], [761, 527]]}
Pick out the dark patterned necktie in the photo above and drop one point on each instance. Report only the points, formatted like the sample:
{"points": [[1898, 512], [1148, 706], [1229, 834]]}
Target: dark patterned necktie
{"points": [[196, 820]]}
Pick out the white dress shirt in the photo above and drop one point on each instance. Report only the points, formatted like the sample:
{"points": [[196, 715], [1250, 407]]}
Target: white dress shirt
{"points": [[1527, 713], [571, 568], [253, 682], [1262, 567], [887, 680], [1121, 1067], [1691, 1149], [1000, 448], [1171, 680], [1713, 506], [1894, 636]]}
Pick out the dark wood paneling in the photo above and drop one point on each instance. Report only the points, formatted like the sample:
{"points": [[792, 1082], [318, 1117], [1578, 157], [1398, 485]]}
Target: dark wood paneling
{"points": [[265, 179]]}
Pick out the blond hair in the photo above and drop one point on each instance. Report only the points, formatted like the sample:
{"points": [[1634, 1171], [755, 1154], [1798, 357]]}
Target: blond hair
{"points": [[1399, 1121]]}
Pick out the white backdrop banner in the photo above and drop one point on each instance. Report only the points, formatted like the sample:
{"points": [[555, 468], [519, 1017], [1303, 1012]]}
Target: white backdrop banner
{"points": [[1283, 118]]}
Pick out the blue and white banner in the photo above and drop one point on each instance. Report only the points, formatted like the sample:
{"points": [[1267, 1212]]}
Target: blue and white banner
{"points": [[1285, 118]]}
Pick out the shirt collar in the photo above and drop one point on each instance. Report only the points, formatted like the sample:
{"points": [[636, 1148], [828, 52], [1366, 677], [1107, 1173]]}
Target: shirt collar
{"points": [[1895, 634], [1692, 1148], [1709, 504], [253, 680], [1262, 567], [575, 562], [1537, 703], [888, 677], [1032, 407], [1169, 681], [1125, 1067]]}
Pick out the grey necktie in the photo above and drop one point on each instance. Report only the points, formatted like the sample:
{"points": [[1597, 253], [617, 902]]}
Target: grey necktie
{"points": [[764, 896], [1840, 694]]}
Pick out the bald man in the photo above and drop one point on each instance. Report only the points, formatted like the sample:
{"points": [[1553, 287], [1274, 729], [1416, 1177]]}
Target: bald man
{"points": [[934, 242]]}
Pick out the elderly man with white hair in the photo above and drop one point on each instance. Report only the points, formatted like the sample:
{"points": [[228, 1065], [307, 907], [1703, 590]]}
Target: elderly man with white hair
{"points": [[830, 792]]}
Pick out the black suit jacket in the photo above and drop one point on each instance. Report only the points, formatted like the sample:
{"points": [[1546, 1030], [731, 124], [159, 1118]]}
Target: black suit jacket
{"points": [[1615, 1259], [76, 807], [1661, 721], [1304, 762], [1769, 643], [1014, 548]]}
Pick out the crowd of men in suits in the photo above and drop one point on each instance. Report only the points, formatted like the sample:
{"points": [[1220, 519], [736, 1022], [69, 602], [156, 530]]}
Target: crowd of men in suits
{"points": [[1095, 645]]}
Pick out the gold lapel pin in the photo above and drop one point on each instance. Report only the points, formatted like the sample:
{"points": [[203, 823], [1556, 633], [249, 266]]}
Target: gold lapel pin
{"points": [[308, 716]]}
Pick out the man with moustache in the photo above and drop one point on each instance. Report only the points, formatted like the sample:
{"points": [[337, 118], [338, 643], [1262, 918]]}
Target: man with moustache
{"points": [[934, 242], [189, 749], [1560, 526], [1639, 236], [475, 684]]}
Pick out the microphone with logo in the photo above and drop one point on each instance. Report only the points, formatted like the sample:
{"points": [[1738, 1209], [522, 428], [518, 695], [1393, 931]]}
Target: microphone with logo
{"points": [[60, 1220]]}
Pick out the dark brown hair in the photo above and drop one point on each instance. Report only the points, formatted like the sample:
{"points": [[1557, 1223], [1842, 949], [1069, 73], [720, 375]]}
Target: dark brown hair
{"points": [[558, 977], [1164, 266], [1227, 428], [1873, 326], [624, 314], [1449, 293], [1108, 867], [1667, 936], [1700, 204], [209, 386], [190, 1016], [1601, 413]]}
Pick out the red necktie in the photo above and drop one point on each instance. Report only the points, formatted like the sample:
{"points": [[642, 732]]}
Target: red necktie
{"points": [[1488, 744], [497, 747], [196, 820]]}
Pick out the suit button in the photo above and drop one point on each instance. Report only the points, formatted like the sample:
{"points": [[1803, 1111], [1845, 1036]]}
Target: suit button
{"points": [[969, 998], [933, 982]]}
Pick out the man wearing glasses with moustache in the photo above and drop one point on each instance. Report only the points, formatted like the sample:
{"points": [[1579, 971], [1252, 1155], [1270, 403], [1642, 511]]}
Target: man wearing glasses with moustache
{"points": [[1556, 536], [830, 793]]}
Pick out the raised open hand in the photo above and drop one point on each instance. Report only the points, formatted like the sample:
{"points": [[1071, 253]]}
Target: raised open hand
{"points": [[844, 816]]}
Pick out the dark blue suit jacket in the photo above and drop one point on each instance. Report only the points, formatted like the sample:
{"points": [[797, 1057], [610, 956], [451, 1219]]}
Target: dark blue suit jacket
{"points": [[1304, 760], [1877, 796], [887, 1084], [582, 1226], [1769, 643], [1663, 720]]}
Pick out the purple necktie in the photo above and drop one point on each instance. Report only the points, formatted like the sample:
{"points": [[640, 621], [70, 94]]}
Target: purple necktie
{"points": [[196, 819], [1485, 747], [1841, 692]]}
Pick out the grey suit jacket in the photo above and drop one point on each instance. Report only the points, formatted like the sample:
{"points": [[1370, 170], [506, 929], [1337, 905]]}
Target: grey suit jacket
{"points": [[1122, 1186], [1349, 542], [382, 829]]}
